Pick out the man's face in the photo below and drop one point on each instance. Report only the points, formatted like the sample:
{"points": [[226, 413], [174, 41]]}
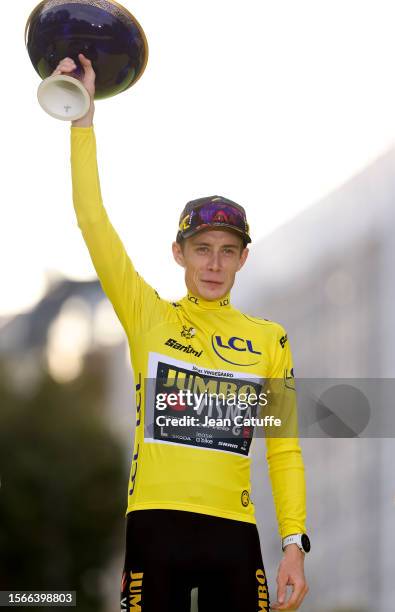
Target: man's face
{"points": [[211, 259]]}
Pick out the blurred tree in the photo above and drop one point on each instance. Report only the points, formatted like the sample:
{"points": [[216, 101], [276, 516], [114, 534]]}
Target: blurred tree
{"points": [[63, 488]]}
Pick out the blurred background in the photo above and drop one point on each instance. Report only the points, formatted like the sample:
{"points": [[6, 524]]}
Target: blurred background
{"points": [[286, 108]]}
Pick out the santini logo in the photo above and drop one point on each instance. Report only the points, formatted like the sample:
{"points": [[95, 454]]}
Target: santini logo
{"points": [[186, 348], [225, 348]]}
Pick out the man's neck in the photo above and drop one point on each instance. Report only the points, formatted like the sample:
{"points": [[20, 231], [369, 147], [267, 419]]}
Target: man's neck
{"points": [[201, 302]]}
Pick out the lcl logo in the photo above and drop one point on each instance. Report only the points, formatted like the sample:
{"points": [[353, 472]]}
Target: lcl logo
{"points": [[234, 343]]}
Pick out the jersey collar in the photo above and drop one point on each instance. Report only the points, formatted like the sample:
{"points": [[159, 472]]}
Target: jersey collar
{"points": [[199, 303]]}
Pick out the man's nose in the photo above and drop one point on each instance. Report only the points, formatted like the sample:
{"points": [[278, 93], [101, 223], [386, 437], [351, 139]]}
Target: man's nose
{"points": [[215, 262]]}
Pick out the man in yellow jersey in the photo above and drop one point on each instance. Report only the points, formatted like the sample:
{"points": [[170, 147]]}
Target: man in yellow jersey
{"points": [[190, 518]]}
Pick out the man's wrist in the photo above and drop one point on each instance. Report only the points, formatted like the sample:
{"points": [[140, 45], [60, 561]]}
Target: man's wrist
{"points": [[86, 121], [301, 540], [291, 548]]}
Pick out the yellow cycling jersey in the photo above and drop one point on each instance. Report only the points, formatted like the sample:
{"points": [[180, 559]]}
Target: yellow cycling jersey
{"points": [[197, 347]]}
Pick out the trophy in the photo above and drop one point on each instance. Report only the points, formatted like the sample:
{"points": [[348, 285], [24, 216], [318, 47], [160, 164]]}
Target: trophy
{"points": [[104, 31]]}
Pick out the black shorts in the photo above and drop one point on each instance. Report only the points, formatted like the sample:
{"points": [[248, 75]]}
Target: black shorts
{"points": [[171, 552]]}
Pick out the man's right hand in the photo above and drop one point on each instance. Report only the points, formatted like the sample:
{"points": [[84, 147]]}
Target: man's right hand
{"points": [[67, 66]]}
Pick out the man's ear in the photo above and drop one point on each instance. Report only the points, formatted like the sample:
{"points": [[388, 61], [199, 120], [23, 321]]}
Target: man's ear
{"points": [[178, 254], [243, 258]]}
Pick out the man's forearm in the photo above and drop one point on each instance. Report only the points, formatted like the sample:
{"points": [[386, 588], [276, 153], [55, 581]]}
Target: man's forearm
{"points": [[286, 472]]}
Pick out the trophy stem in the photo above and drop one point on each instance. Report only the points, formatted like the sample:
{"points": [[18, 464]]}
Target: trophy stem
{"points": [[63, 97]]}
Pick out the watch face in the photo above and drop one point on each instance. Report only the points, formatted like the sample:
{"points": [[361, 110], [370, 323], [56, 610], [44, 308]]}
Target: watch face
{"points": [[305, 542]]}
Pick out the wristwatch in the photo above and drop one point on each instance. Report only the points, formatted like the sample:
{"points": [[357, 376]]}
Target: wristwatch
{"points": [[301, 539]]}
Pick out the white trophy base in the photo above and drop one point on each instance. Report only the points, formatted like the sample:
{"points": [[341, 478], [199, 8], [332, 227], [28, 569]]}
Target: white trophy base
{"points": [[63, 97]]}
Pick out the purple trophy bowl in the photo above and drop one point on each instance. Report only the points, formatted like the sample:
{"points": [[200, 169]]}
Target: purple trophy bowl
{"points": [[104, 31]]}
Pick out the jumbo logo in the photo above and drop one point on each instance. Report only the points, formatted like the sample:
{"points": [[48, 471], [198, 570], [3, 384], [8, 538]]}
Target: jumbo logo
{"points": [[135, 591], [233, 346], [263, 593]]}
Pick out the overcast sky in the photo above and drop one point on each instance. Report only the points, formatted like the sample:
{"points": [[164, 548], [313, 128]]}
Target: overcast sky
{"points": [[272, 104]]}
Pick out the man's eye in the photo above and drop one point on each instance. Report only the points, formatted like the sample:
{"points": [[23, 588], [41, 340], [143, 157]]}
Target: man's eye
{"points": [[202, 249]]}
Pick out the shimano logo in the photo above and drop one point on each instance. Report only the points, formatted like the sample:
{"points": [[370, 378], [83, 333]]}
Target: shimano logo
{"points": [[227, 444]]}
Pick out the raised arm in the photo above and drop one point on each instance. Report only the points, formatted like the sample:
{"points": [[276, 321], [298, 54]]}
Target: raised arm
{"points": [[129, 294]]}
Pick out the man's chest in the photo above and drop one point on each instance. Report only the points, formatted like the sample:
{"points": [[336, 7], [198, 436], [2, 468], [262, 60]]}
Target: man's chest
{"points": [[211, 344]]}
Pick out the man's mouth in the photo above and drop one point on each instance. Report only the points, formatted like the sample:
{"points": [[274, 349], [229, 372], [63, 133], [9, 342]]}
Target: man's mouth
{"points": [[212, 282]]}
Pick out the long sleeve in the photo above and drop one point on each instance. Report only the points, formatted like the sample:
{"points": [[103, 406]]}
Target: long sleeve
{"points": [[284, 455], [129, 294]]}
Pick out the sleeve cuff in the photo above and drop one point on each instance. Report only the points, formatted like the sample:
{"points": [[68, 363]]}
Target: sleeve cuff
{"points": [[81, 129]]}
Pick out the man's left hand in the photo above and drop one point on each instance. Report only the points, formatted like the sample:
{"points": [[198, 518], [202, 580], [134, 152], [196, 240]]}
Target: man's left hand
{"points": [[291, 573]]}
